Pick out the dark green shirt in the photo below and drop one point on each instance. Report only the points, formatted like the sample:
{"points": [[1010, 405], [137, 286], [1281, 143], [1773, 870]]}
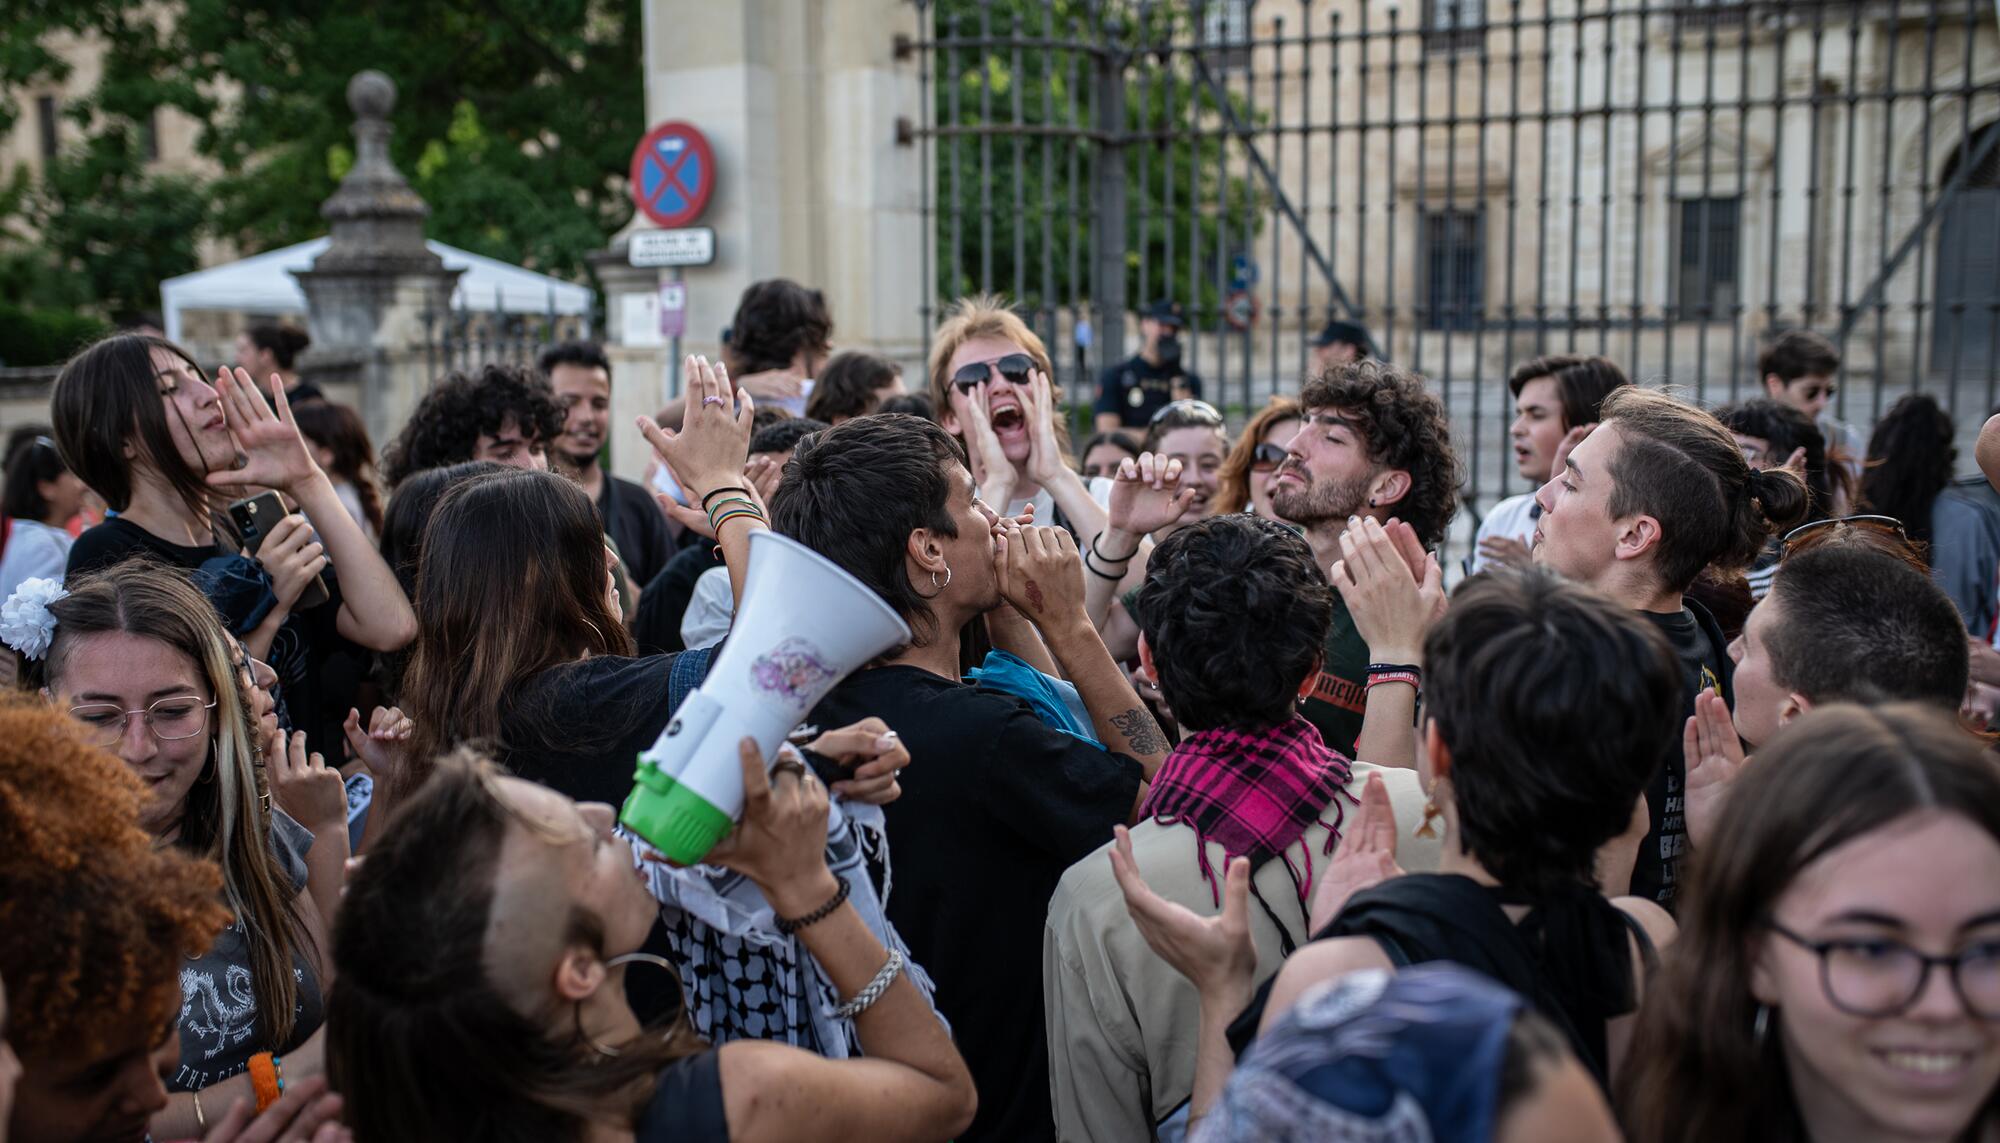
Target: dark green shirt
{"points": [[1340, 696]]}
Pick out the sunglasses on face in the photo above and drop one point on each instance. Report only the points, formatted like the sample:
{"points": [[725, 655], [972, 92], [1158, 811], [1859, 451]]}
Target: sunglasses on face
{"points": [[1013, 368], [1266, 457]]}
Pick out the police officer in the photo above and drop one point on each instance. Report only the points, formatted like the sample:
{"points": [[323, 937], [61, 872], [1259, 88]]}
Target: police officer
{"points": [[1130, 392], [1341, 343]]}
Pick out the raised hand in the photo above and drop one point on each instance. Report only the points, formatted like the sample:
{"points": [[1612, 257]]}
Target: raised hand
{"points": [[291, 557], [1392, 609], [272, 451], [1715, 759], [1045, 457], [1366, 857], [382, 745], [991, 470], [1568, 444], [714, 439], [1214, 953], [780, 842], [874, 754], [1146, 495], [1505, 551], [1040, 573], [305, 787]]}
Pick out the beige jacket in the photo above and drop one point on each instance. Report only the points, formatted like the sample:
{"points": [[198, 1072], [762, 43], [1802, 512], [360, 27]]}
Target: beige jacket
{"points": [[1121, 1022]]}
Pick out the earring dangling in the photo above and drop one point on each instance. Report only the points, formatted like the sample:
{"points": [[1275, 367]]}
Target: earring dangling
{"points": [[1760, 1028], [614, 962], [1428, 827], [947, 579]]}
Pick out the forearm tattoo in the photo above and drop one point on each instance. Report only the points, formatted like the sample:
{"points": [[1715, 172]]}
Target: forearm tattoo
{"points": [[1142, 734]]}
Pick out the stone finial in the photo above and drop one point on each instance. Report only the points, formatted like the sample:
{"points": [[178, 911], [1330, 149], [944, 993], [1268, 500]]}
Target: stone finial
{"points": [[376, 219], [371, 95]]}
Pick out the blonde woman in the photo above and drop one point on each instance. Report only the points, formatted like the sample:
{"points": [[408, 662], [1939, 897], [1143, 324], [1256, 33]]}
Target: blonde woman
{"points": [[137, 657]]}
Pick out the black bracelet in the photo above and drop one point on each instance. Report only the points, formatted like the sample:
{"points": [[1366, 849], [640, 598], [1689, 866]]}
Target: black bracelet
{"points": [[719, 491], [1113, 559], [791, 925], [1387, 668], [1092, 569]]}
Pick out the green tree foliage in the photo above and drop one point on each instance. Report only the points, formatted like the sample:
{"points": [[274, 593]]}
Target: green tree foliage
{"points": [[1024, 138], [515, 119]]}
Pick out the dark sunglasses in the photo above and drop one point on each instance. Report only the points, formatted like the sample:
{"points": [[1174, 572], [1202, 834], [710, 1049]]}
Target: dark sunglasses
{"points": [[1878, 523], [1014, 368], [1187, 411], [1266, 457]]}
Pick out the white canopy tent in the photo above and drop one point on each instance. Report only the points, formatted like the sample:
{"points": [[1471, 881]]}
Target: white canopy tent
{"points": [[263, 284]]}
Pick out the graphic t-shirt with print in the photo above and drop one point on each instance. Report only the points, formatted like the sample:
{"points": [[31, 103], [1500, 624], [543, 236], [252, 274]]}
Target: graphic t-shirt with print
{"points": [[1339, 697]]}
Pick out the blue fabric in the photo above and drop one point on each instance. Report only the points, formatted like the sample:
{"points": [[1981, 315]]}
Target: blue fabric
{"points": [[239, 589], [1411, 1055], [1055, 701]]}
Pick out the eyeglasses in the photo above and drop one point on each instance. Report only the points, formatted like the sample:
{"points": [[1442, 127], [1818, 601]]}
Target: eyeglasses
{"points": [[1014, 368], [1876, 977], [1879, 523], [170, 719], [1267, 456], [1187, 411]]}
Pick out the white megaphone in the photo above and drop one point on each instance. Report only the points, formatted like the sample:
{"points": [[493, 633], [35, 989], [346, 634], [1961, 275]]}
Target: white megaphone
{"points": [[803, 625]]}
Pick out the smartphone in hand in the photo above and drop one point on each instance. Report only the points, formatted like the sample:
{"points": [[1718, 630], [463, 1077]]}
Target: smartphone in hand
{"points": [[254, 518]]}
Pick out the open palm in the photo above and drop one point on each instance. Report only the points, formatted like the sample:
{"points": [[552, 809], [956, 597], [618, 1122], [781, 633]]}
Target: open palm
{"points": [[272, 451]]}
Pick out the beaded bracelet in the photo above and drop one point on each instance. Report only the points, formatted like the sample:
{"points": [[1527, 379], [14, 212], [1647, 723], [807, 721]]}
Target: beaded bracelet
{"points": [[790, 925], [866, 998], [724, 488]]}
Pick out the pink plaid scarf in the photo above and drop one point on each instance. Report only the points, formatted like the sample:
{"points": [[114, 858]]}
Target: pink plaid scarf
{"points": [[1255, 790]]}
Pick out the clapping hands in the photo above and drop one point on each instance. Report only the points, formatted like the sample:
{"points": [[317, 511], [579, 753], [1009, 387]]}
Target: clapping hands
{"points": [[1392, 587], [1366, 857], [1715, 759], [1214, 953]]}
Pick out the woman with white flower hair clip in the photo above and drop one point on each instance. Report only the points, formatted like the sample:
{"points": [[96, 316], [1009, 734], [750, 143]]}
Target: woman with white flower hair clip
{"points": [[140, 661]]}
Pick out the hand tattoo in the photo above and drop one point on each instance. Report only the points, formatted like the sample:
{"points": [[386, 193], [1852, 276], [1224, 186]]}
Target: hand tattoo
{"points": [[1142, 734], [1034, 591]]}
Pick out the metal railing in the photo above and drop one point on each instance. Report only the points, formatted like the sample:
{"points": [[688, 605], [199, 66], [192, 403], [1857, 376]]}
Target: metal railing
{"points": [[1478, 183]]}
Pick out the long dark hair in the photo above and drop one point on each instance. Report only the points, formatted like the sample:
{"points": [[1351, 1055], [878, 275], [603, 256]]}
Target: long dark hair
{"points": [[228, 816], [338, 429], [29, 467], [511, 583], [419, 1042], [1910, 458], [108, 396], [1696, 1068]]}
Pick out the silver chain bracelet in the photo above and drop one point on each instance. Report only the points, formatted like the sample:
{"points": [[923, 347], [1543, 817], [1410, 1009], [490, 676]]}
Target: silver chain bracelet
{"points": [[866, 998]]}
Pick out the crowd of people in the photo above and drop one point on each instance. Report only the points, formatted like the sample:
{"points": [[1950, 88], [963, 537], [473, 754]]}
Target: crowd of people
{"points": [[1197, 805]]}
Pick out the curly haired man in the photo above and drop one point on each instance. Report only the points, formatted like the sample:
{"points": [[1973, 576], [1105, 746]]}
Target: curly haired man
{"points": [[506, 414], [1374, 443]]}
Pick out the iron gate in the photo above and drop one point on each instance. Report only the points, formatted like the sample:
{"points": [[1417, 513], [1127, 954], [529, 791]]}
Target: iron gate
{"points": [[1478, 181]]}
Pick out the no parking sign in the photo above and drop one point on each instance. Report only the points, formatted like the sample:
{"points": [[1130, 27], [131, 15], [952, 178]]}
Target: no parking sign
{"points": [[673, 174]]}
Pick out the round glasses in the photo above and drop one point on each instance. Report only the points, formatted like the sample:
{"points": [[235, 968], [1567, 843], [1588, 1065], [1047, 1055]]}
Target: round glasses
{"points": [[1877, 977], [169, 719]]}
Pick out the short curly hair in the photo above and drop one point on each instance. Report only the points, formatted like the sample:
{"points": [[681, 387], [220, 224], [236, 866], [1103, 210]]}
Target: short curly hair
{"points": [[1235, 612], [1406, 427], [448, 422], [94, 921]]}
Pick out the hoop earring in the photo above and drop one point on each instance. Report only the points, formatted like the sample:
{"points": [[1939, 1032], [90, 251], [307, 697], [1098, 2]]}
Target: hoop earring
{"points": [[1760, 1028], [938, 587], [615, 962]]}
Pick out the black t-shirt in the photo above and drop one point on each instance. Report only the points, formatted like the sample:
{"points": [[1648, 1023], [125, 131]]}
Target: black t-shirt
{"points": [[316, 696], [1135, 389], [996, 805], [637, 528], [687, 1104], [664, 599], [579, 728], [1705, 665]]}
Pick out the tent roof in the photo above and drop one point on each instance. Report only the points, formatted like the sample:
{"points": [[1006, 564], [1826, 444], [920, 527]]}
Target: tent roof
{"points": [[262, 283]]}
